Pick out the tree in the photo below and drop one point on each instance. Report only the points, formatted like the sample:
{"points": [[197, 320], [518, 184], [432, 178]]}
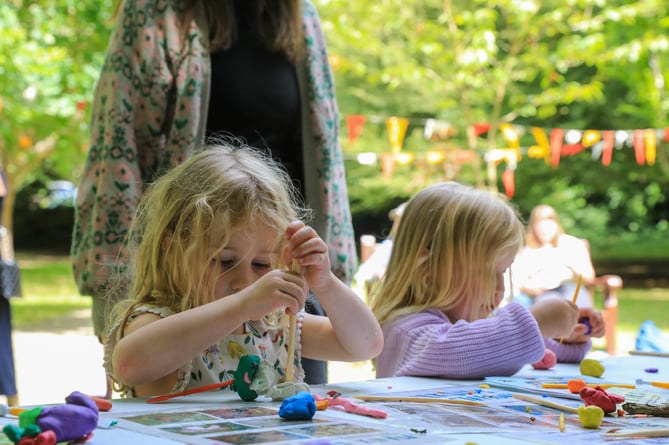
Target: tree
{"points": [[581, 64], [50, 54]]}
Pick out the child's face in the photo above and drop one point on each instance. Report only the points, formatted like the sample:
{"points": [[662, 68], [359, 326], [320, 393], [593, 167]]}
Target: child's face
{"points": [[501, 265], [247, 256]]}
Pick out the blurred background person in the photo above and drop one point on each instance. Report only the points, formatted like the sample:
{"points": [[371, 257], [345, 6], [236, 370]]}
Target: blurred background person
{"points": [[551, 261]]}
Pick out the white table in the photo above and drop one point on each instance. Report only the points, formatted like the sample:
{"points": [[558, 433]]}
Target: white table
{"points": [[406, 422]]}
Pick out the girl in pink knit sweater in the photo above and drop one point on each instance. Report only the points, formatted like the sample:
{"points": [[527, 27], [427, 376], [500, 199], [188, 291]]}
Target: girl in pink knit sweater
{"points": [[445, 280]]}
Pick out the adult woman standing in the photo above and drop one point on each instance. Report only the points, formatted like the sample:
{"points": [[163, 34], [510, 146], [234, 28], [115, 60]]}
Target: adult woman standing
{"points": [[179, 70]]}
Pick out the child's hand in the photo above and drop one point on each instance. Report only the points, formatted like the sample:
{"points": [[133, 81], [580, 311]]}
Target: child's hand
{"points": [[276, 289], [591, 324], [311, 253], [556, 317]]}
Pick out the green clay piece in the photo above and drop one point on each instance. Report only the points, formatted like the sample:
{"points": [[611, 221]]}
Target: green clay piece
{"points": [[29, 417], [244, 376], [590, 416], [591, 367]]}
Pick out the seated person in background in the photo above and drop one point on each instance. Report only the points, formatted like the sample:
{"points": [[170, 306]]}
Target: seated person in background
{"points": [[444, 281], [373, 268], [551, 261]]}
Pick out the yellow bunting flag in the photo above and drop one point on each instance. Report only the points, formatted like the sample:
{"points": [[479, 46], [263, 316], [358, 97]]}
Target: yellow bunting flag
{"points": [[650, 138], [397, 127]]}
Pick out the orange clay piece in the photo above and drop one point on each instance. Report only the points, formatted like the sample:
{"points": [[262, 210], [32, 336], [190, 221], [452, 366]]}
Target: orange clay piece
{"points": [[102, 404], [322, 404], [576, 385]]}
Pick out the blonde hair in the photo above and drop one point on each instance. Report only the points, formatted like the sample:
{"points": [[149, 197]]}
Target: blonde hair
{"points": [[278, 24], [540, 213], [448, 241], [193, 208]]}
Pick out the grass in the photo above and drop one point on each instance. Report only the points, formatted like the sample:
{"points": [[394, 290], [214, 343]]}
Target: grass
{"points": [[49, 291]]}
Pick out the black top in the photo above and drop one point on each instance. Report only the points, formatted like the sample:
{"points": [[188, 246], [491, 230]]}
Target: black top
{"points": [[255, 96]]}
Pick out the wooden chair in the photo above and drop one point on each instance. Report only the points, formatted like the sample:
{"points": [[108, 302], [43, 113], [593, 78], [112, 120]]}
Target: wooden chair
{"points": [[606, 285]]}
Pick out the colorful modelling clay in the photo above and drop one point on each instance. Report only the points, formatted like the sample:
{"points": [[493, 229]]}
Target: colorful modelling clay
{"points": [[590, 416], [246, 369], [586, 321], [599, 397], [576, 385], [74, 421], [549, 361], [591, 367], [301, 406], [336, 400]]}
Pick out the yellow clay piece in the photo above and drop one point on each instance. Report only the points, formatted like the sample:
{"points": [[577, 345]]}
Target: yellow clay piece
{"points": [[591, 367], [590, 416]]}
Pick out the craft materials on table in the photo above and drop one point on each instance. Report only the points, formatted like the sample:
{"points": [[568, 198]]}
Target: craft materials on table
{"points": [[545, 402], [664, 385], [375, 398], [190, 391]]}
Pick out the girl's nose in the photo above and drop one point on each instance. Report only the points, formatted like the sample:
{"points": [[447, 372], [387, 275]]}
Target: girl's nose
{"points": [[242, 277]]}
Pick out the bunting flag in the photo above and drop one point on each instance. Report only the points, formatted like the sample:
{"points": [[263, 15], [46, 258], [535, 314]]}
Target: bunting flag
{"points": [[354, 124], [551, 144], [397, 127]]}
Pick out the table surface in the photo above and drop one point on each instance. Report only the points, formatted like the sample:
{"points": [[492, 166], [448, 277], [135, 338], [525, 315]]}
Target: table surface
{"points": [[220, 417]]}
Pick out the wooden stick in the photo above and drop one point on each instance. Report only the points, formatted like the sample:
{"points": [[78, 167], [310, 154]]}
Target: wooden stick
{"points": [[292, 321], [369, 398], [578, 288], [591, 385], [575, 297], [190, 391], [546, 403], [649, 432], [649, 353]]}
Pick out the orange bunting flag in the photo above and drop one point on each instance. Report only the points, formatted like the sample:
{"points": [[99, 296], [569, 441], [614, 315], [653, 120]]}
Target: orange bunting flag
{"points": [[354, 124], [607, 153], [508, 180], [387, 165], [557, 136], [481, 128], [639, 148], [397, 127], [572, 149], [651, 139]]}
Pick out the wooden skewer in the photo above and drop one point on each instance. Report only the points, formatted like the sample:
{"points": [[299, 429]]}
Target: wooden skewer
{"points": [[575, 297], [546, 403], [649, 353], [292, 326], [578, 288], [650, 432], [370, 398]]}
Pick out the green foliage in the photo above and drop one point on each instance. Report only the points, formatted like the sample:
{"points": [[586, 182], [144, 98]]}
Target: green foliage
{"points": [[50, 53]]}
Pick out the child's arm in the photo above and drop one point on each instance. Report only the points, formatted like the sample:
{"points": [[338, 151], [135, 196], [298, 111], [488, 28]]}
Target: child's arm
{"points": [[153, 348], [350, 332], [427, 344]]}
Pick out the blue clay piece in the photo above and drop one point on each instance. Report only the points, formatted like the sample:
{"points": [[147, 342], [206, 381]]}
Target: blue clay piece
{"points": [[586, 321], [651, 370], [301, 406]]}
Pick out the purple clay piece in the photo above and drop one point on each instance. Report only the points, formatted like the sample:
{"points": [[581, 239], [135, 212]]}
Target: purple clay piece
{"points": [[651, 370], [586, 321]]}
